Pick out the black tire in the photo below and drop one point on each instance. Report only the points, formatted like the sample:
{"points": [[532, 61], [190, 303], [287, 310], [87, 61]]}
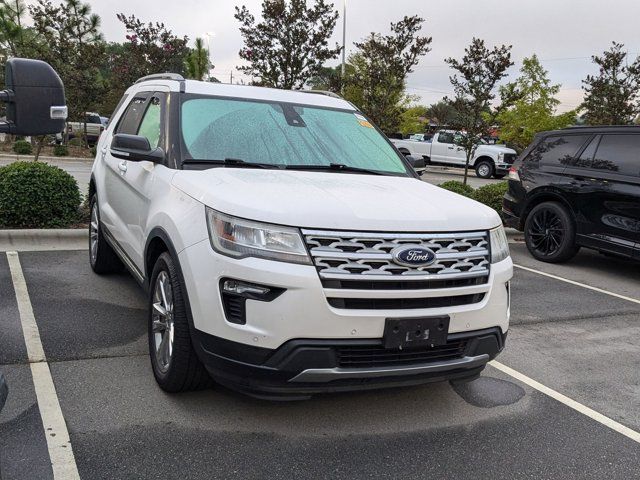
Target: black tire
{"points": [[103, 260], [499, 176], [183, 370], [550, 233], [485, 169]]}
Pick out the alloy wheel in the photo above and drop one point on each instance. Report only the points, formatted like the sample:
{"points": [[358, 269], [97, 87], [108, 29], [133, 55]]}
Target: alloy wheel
{"points": [[546, 231], [483, 170], [93, 233], [162, 321]]}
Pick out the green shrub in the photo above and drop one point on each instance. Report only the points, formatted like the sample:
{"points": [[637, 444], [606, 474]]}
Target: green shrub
{"points": [[458, 187], [22, 147], [60, 151], [491, 195], [37, 195], [75, 142], [93, 151]]}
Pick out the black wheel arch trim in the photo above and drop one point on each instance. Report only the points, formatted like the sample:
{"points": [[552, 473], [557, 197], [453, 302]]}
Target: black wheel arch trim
{"points": [[541, 195]]}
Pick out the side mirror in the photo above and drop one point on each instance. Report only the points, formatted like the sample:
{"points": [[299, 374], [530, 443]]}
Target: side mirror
{"points": [[416, 162], [35, 99], [135, 148]]}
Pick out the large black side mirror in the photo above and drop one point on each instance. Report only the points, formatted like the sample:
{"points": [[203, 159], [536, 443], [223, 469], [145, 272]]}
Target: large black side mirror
{"points": [[35, 99], [416, 162], [135, 148]]}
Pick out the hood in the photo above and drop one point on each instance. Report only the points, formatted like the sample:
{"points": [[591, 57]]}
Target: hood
{"points": [[340, 201], [495, 148]]}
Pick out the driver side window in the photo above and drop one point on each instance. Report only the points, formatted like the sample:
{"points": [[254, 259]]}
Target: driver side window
{"points": [[150, 124]]}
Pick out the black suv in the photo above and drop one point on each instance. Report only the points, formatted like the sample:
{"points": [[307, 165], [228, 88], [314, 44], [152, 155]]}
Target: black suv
{"points": [[578, 187]]}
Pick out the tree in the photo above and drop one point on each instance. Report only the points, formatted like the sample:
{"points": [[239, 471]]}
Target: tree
{"points": [[612, 97], [197, 63], [330, 78], [413, 120], [290, 44], [479, 71], [381, 64], [149, 48], [12, 31], [442, 113], [71, 43], [535, 107]]}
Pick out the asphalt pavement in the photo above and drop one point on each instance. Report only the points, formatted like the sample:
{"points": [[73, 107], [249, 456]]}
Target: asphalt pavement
{"points": [[569, 332]]}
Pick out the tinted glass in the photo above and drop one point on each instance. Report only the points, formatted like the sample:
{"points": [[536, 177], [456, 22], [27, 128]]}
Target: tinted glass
{"points": [[131, 118], [150, 125], [445, 137], [619, 154], [586, 157], [283, 134], [557, 150]]}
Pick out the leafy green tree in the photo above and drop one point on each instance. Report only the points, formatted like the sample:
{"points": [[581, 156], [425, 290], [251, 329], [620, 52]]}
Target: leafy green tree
{"points": [[330, 78], [381, 65], [149, 48], [474, 86], [12, 29], [197, 62], [442, 113], [291, 43], [535, 107], [72, 44], [413, 120], [612, 97]]}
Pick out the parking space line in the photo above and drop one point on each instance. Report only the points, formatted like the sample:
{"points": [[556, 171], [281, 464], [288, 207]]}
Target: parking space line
{"points": [[63, 462], [583, 285], [569, 402]]}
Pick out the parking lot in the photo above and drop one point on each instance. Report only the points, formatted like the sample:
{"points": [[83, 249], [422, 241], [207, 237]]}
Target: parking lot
{"points": [[563, 401]]}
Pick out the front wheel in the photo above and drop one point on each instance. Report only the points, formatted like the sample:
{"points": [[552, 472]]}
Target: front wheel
{"points": [[550, 234], [484, 169], [175, 364]]}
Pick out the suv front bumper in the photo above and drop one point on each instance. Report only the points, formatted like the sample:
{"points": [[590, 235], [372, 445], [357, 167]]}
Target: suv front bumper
{"points": [[301, 367]]}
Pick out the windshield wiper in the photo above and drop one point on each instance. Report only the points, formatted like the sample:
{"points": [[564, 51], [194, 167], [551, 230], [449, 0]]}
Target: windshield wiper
{"points": [[335, 167], [230, 162]]}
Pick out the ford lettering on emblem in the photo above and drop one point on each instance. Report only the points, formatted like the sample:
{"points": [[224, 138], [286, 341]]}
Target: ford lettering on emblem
{"points": [[413, 256]]}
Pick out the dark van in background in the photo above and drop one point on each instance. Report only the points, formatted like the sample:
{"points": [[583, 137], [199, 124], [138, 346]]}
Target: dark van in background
{"points": [[578, 187]]}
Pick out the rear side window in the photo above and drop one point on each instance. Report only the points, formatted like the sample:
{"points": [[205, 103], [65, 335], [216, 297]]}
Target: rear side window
{"points": [[445, 137], [557, 150], [619, 154]]}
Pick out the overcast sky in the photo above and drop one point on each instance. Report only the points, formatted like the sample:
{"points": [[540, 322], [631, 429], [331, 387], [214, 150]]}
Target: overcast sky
{"points": [[564, 33]]}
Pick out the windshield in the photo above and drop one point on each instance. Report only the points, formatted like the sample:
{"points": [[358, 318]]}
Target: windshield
{"points": [[283, 134]]}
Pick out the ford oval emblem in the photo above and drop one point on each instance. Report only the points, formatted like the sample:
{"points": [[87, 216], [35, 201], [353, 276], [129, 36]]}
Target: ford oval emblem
{"points": [[413, 256]]}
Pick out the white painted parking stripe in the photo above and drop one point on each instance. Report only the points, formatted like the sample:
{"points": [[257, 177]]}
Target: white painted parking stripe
{"points": [[63, 462], [583, 285], [569, 402]]}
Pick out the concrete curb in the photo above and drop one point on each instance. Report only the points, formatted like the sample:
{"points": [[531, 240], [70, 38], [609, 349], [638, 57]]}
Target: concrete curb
{"points": [[43, 239], [77, 239], [42, 158]]}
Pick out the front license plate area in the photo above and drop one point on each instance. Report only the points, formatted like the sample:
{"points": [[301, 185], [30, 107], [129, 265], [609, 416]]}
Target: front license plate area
{"points": [[401, 333]]}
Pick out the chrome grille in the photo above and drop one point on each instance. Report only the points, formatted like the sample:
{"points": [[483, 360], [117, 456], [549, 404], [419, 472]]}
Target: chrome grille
{"points": [[367, 255]]}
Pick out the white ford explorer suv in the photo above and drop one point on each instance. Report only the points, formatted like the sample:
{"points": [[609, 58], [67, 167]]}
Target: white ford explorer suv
{"points": [[288, 248]]}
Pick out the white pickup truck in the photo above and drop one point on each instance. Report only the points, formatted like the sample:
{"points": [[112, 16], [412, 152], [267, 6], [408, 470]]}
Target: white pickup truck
{"points": [[443, 149]]}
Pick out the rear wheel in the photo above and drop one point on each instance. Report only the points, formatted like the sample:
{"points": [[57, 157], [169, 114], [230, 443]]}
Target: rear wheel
{"points": [[549, 233], [484, 169], [175, 364], [101, 256]]}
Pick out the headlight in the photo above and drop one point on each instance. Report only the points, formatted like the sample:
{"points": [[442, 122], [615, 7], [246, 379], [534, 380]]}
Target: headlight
{"points": [[500, 156], [499, 244], [240, 238]]}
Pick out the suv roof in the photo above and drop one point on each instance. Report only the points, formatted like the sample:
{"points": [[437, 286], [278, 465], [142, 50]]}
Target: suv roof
{"points": [[177, 83], [596, 129]]}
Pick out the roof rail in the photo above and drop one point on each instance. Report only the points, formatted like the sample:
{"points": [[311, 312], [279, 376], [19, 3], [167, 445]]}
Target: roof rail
{"points": [[162, 76], [605, 127], [322, 92]]}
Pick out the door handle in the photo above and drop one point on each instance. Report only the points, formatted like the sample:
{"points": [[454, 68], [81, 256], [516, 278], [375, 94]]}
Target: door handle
{"points": [[450, 148], [122, 166]]}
